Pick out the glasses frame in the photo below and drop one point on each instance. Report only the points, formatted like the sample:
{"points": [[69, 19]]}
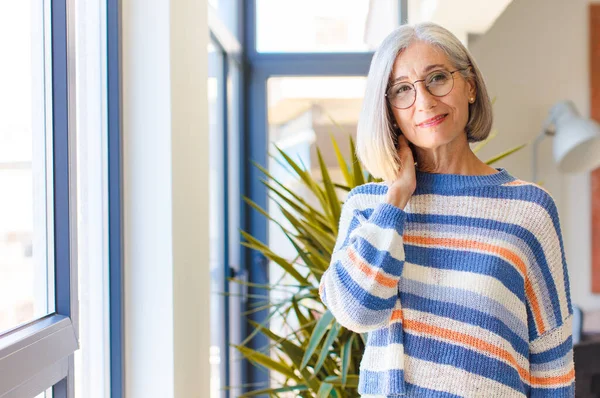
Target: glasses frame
{"points": [[426, 87]]}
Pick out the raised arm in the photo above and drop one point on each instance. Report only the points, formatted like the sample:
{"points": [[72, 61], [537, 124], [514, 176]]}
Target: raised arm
{"points": [[360, 287]]}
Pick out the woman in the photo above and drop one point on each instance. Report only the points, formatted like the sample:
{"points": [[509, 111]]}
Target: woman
{"points": [[456, 270]]}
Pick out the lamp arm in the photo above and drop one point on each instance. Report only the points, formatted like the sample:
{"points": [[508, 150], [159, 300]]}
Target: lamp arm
{"points": [[546, 131]]}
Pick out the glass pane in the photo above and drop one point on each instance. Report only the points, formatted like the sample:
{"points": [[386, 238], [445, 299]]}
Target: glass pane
{"points": [[25, 179], [46, 394], [467, 26], [92, 360], [234, 196], [228, 13], [303, 114], [323, 26], [217, 229]]}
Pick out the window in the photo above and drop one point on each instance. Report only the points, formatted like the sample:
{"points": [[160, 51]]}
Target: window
{"points": [[38, 208], [224, 99], [25, 165], [467, 26], [286, 26]]}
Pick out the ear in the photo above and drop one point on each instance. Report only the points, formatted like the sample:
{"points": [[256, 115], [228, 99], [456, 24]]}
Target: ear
{"points": [[472, 88]]}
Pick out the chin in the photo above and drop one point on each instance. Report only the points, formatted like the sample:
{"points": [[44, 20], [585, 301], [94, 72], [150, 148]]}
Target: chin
{"points": [[437, 139]]}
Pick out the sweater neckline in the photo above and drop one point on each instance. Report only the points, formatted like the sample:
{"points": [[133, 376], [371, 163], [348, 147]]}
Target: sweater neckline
{"points": [[427, 181]]}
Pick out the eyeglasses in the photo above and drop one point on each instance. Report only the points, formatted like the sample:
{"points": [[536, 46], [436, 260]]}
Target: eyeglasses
{"points": [[438, 83]]}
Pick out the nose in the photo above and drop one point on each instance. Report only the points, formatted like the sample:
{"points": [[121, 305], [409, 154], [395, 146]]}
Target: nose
{"points": [[425, 100]]}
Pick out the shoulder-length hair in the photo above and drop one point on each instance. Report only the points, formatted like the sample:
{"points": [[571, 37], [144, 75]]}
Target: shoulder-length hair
{"points": [[375, 132]]}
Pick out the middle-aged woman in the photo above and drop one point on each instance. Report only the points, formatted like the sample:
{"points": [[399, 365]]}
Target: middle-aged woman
{"points": [[456, 270]]}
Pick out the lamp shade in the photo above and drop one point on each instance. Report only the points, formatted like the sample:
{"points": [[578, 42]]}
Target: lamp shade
{"points": [[576, 141]]}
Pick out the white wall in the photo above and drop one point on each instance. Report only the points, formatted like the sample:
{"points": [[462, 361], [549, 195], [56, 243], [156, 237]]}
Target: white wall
{"points": [[166, 240], [535, 55]]}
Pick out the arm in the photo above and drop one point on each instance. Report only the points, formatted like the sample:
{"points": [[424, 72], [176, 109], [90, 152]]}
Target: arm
{"points": [[552, 370], [360, 287]]}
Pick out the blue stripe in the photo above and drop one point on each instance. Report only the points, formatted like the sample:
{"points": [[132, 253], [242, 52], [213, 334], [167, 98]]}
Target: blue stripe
{"points": [[393, 334], [389, 217], [355, 223], [561, 392], [466, 315], [459, 357], [559, 351], [460, 260], [378, 258], [381, 383], [368, 189]]}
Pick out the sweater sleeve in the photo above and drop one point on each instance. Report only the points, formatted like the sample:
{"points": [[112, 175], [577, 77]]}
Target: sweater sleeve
{"points": [[360, 287], [552, 372]]}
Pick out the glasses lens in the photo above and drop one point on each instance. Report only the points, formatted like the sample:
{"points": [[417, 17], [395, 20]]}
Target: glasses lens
{"points": [[440, 83], [402, 95]]}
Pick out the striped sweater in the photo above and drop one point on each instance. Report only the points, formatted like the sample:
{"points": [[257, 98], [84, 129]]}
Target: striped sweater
{"points": [[464, 293]]}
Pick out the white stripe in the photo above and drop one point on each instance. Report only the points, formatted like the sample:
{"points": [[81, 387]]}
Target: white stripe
{"points": [[456, 381], [382, 359], [469, 281]]}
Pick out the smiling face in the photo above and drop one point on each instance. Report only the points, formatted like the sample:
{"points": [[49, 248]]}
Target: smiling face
{"points": [[431, 121]]}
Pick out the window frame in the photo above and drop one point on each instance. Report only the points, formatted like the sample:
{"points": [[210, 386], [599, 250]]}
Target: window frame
{"points": [[39, 355], [115, 199]]}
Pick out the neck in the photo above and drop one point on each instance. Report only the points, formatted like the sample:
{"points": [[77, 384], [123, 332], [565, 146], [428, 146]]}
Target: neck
{"points": [[456, 157]]}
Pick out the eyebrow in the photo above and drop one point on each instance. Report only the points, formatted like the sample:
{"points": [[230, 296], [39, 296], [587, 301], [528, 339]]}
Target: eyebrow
{"points": [[430, 67]]}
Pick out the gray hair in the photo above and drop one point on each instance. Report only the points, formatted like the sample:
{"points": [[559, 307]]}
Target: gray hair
{"points": [[375, 132]]}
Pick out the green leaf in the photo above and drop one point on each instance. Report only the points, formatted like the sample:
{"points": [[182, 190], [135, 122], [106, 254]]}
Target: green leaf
{"points": [[325, 390], [255, 206], [505, 154], [343, 187], [305, 177], [283, 263], [332, 199], [299, 387], [346, 358], [266, 361], [337, 381], [317, 335], [342, 162], [331, 336], [359, 178], [307, 259]]}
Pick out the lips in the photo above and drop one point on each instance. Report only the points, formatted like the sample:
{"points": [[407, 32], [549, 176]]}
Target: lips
{"points": [[433, 121]]}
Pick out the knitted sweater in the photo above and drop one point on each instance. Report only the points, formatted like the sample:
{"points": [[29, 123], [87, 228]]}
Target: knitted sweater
{"points": [[464, 293]]}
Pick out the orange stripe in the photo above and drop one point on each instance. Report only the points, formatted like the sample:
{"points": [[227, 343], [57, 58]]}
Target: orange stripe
{"points": [[547, 381], [369, 272], [502, 252], [397, 315], [535, 307], [463, 338], [516, 183]]}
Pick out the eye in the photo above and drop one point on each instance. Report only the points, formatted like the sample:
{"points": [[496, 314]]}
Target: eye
{"points": [[438, 77], [401, 89]]}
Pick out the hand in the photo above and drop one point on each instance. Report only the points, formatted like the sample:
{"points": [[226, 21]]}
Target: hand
{"points": [[401, 189]]}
